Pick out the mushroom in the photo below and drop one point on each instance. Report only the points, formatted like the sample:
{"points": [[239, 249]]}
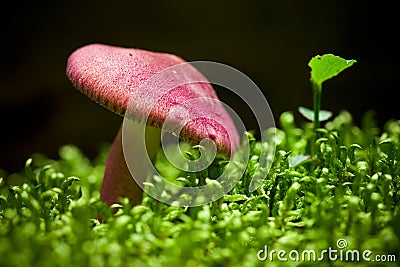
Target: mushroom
{"points": [[110, 75]]}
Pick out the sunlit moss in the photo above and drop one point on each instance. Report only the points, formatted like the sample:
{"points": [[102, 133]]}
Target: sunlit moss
{"points": [[348, 189]]}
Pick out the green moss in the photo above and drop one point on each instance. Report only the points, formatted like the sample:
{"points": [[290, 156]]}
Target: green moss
{"points": [[348, 190]]}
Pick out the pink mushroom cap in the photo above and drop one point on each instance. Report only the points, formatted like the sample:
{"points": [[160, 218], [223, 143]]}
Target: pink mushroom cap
{"points": [[110, 75]]}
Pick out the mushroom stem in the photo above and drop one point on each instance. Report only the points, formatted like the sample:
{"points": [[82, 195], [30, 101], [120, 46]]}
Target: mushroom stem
{"points": [[117, 181]]}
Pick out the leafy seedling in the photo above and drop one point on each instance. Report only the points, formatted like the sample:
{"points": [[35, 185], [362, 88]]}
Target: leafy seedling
{"points": [[323, 68]]}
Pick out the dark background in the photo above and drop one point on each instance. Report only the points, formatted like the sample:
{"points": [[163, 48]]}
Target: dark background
{"points": [[270, 41]]}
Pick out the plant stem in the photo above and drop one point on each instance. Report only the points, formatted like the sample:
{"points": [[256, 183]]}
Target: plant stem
{"points": [[317, 103], [317, 90]]}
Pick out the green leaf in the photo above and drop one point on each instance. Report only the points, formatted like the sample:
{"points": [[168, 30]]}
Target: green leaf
{"points": [[68, 182], [309, 114], [297, 160], [235, 198], [327, 66]]}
